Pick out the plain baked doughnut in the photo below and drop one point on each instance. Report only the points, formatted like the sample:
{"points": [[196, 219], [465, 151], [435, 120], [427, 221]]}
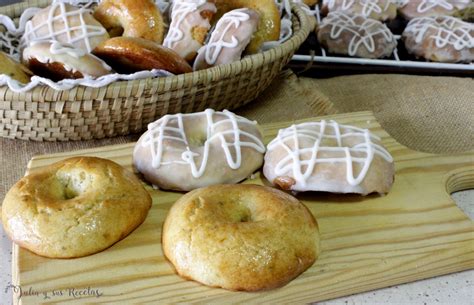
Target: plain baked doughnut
{"points": [[130, 54], [138, 18], [269, 25], [240, 237], [187, 151], [75, 207]]}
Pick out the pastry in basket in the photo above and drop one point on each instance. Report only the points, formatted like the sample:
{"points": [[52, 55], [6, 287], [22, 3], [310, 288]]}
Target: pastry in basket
{"points": [[135, 18], [130, 54], [327, 156], [187, 151], [57, 61], [75, 207], [190, 23], [14, 69], [269, 25], [356, 35], [442, 39], [240, 237], [228, 41], [374, 9], [65, 23], [410, 9]]}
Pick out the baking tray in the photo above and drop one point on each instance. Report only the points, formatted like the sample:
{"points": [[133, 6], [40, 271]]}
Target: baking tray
{"points": [[311, 58]]}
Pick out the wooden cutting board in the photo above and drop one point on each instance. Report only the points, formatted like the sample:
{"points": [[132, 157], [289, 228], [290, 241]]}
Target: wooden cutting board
{"points": [[414, 232]]}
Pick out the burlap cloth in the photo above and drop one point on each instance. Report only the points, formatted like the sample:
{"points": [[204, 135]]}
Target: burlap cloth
{"points": [[432, 114]]}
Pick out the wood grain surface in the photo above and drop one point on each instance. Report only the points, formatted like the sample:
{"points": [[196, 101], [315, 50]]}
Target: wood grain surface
{"points": [[414, 232]]}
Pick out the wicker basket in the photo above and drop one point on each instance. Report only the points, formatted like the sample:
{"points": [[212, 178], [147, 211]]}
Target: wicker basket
{"points": [[124, 107]]}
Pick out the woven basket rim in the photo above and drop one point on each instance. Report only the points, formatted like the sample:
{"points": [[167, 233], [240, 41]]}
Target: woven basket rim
{"points": [[201, 77]]}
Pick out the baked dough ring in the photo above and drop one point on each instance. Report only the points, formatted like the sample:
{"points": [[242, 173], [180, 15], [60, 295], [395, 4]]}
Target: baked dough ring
{"points": [[75, 207], [130, 54], [356, 35], [14, 69], [57, 61], [187, 151], [441, 39], [376, 9], [410, 9], [240, 237], [326, 156], [269, 25], [190, 23], [138, 18]]}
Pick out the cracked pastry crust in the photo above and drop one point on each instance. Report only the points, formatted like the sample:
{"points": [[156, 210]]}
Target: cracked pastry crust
{"points": [[240, 237], [75, 207]]}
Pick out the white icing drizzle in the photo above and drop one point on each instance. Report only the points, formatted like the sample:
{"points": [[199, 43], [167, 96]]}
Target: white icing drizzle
{"points": [[428, 5], [316, 132], [66, 54], [449, 31], [57, 48], [171, 127], [180, 11], [82, 32], [232, 19], [368, 6], [363, 33]]}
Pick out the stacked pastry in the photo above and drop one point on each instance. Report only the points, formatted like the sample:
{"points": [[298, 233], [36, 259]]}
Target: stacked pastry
{"points": [[64, 41], [357, 28]]}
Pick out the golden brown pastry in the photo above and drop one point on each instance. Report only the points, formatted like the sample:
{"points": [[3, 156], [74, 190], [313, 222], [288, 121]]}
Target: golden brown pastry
{"points": [[75, 207], [137, 18], [327, 156], [240, 237], [14, 69], [129, 55], [269, 25]]}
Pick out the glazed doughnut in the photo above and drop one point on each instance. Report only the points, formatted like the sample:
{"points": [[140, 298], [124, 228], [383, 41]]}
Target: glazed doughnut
{"points": [[187, 151], [240, 237], [57, 61], [410, 9], [14, 69], [75, 207], [232, 34], [269, 25], [137, 18], [190, 22], [355, 35], [129, 55], [442, 39], [67, 24], [375, 9], [326, 156]]}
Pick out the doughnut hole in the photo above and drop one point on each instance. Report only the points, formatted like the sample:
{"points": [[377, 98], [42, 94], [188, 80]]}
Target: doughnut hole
{"points": [[74, 183]]}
